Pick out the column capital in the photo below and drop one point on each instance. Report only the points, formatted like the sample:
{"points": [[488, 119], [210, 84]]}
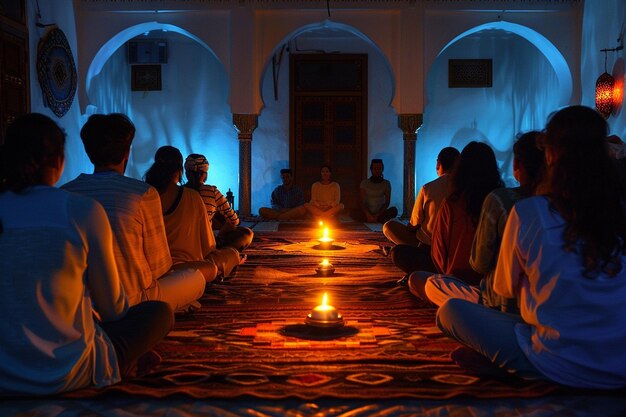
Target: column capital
{"points": [[245, 125], [409, 123]]}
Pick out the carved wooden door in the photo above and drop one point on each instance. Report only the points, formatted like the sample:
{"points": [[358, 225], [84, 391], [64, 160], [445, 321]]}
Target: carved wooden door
{"points": [[328, 120]]}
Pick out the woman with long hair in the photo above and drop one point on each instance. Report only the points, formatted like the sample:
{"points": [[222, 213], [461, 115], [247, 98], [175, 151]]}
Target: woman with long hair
{"points": [[474, 176], [58, 269], [187, 226], [562, 256], [528, 168]]}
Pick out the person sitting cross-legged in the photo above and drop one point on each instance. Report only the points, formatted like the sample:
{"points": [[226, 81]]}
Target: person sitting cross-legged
{"points": [[66, 322], [133, 207], [413, 240], [287, 200], [187, 226], [474, 176], [562, 256], [375, 197], [325, 197], [231, 233], [528, 168]]}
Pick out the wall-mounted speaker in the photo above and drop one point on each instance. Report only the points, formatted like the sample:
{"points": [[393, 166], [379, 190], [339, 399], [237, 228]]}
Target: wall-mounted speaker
{"points": [[147, 51]]}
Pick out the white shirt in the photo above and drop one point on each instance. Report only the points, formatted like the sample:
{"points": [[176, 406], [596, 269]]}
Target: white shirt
{"points": [[574, 330], [50, 342]]}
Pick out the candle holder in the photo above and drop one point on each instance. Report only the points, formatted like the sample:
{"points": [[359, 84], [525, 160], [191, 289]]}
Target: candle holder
{"points": [[324, 316], [325, 268], [325, 242]]}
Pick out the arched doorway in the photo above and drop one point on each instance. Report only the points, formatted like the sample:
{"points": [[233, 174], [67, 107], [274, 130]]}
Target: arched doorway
{"points": [[190, 111], [272, 145], [531, 79]]}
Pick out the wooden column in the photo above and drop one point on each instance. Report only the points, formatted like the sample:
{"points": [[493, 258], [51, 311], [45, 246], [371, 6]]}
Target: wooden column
{"points": [[245, 125], [409, 123]]}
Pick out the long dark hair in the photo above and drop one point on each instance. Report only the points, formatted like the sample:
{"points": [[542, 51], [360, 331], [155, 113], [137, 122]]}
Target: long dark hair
{"points": [[167, 161], [582, 185], [32, 142], [528, 154], [474, 176]]}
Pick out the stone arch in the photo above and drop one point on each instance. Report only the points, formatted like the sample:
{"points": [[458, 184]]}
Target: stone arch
{"points": [[543, 44], [116, 41], [332, 26]]}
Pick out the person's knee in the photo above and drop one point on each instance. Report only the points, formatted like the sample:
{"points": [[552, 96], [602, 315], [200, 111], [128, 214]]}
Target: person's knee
{"points": [[448, 313], [161, 313]]}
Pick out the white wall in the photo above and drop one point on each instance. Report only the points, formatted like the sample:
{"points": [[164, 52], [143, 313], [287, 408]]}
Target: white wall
{"points": [[190, 112], [602, 26], [524, 92]]}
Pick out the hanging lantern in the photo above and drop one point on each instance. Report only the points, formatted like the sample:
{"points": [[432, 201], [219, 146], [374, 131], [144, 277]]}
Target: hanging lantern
{"points": [[604, 94]]}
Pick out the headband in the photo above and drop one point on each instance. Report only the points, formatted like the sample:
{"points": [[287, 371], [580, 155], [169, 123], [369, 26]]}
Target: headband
{"points": [[196, 164]]}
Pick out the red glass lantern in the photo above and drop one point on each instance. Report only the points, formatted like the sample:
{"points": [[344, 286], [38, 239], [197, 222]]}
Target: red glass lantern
{"points": [[604, 94]]}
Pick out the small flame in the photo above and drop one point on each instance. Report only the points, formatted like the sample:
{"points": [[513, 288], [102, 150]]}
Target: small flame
{"points": [[325, 262], [321, 223], [325, 236], [325, 299]]}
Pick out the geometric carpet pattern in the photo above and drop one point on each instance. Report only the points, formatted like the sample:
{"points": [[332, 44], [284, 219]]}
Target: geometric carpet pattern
{"points": [[249, 338]]}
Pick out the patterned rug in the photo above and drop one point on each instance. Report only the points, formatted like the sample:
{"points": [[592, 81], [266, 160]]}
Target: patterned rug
{"points": [[249, 337]]}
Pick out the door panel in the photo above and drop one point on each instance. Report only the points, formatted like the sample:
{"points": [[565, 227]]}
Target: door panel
{"points": [[328, 109]]}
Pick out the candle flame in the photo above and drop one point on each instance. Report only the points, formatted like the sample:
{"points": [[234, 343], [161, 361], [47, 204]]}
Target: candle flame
{"points": [[325, 236], [325, 299], [321, 223], [325, 262]]}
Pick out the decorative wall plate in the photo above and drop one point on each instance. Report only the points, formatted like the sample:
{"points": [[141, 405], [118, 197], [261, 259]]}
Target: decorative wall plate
{"points": [[56, 71]]}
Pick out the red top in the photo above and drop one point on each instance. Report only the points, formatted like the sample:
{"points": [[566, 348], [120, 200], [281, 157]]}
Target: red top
{"points": [[453, 234]]}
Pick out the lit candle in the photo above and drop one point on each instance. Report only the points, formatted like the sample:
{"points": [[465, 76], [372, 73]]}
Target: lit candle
{"points": [[325, 268], [325, 241], [324, 315]]}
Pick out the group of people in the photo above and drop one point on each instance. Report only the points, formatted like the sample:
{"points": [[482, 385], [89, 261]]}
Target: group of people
{"points": [[94, 271], [528, 279], [287, 200]]}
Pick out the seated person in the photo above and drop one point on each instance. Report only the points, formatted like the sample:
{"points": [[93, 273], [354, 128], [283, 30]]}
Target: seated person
{"points": [[325, 196], [230, 233], [133, 207], [475, 175], [528, 168], [375, 197], [187, 226], [562, 256], [66, 323], [413, 241], [287, 200]]}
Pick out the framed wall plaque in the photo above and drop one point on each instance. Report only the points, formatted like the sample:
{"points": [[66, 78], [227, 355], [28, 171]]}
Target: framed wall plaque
{"points": [[145, 78]]}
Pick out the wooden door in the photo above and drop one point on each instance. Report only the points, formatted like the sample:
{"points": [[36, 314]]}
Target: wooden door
{"points": [[14, 93], [328, 120]]}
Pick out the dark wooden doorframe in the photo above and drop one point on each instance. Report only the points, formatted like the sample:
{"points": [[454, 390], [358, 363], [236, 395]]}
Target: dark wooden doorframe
{"points": [[328, 120]]}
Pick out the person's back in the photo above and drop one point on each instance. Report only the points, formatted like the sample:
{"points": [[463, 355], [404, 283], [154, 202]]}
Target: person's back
{"points": [[66, 320], [562, 256], [43, 302], [189, 234], [560, 307], [134, 211]]}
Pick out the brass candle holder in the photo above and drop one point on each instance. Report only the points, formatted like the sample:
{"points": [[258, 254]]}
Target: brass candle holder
{"points": [[325, 242], [324, 316], [325, 268]]}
